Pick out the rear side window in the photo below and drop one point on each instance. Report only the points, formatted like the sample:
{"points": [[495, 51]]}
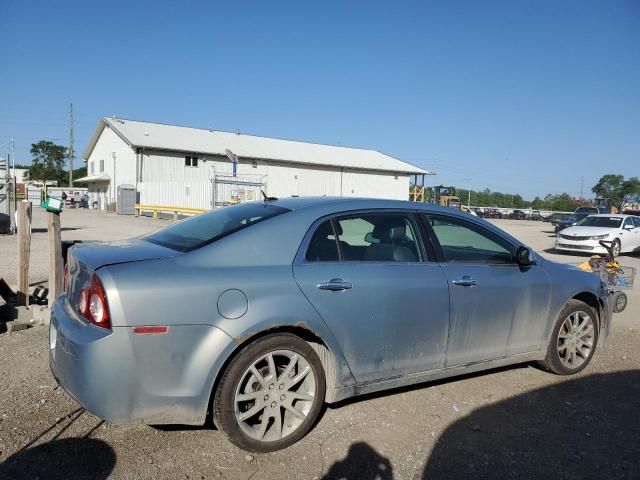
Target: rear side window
{"points": [[370, 237], [636, 221], [323, 246], [465, 242], [378, 237], [203, 229]]}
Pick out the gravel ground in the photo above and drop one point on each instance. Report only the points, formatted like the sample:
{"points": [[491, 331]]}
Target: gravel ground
{"points": [[516, 422], [76, 224]]}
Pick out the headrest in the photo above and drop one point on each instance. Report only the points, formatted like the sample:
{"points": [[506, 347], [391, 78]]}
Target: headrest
{"points": [[397, 233]]}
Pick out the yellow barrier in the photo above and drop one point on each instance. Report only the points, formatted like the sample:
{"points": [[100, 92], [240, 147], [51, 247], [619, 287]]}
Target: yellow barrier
{"points": [[175, 210]]}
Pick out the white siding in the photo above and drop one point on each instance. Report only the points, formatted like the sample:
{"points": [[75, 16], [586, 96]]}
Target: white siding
{"points": [[119, 162], [166, 181]]}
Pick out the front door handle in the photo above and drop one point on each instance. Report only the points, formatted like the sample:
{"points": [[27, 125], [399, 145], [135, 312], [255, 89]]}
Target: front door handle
{"points": [[335, 284], [465, 281]]}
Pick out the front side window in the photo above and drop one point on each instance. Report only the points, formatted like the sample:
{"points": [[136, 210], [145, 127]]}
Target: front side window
{"points": [[628, 223], [204, 229], [465, 242]]}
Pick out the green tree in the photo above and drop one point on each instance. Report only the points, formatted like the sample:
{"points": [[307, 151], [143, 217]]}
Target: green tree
{"points": [[631, 185], [610, 186], [47, 162]]}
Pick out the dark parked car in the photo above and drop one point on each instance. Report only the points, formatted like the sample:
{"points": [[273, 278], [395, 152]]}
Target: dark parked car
{"points": [[518, 215], [580, 214]]}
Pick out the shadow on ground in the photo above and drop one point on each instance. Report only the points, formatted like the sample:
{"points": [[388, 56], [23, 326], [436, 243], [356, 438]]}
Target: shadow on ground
{"points": [[583, 428], [362, 462], [70, 458], [63, 229]]}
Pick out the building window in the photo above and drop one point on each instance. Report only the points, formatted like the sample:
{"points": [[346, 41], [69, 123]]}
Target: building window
{"points": [[93, 168], [190, 161], [101, 166]]}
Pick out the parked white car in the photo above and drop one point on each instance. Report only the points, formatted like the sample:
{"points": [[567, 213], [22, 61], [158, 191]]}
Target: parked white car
{"points": [[622, 230]]}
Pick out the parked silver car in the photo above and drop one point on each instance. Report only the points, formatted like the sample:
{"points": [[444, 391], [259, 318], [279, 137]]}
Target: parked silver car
{"points": [[259, 313]]}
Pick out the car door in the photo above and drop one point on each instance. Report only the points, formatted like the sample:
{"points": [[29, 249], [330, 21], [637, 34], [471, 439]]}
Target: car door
{"points": [[497, 308], [385, 300], [630, 235]]}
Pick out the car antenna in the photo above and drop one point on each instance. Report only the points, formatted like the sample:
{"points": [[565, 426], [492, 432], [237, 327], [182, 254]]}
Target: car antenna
{"points": [[267, 199]]}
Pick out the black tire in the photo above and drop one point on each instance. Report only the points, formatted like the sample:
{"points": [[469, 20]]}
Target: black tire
{"points": [[223, 407], [552, 361], [619, 302]]}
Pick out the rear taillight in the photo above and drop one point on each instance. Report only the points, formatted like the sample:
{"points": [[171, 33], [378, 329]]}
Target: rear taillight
{"points": [[92, 304]]}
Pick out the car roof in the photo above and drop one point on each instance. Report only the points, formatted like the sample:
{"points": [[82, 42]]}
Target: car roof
{"points": [[615, 215], [357, 203]]}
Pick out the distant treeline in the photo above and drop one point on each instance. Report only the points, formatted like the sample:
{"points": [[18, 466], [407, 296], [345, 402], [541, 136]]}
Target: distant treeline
{"points": [[562, 202]]}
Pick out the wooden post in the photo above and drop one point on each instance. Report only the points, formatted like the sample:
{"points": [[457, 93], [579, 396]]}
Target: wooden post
{"points": [[24, 251], [56, 274]]}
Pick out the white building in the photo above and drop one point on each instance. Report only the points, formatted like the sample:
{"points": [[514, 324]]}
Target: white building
{"points": [[172, 166]]}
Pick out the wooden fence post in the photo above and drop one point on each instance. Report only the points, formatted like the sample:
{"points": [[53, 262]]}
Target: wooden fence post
{"points": [[24, 251], [56, 274]]}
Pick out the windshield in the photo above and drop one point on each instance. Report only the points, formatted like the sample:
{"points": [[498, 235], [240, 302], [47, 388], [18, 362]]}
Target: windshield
{"points": [[606, 222], [203, 229], [586, 210]]}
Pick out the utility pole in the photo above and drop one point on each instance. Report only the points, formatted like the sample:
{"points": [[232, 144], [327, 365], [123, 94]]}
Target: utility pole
{"points": [[70, 150], [581, 184]]}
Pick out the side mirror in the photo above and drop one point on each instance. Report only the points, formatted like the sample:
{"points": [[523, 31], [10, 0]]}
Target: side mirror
{"points": [[525, 257], [628, 227]]}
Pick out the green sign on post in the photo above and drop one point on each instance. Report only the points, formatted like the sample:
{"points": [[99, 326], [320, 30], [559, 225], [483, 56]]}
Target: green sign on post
{"points": [[52, 204]]}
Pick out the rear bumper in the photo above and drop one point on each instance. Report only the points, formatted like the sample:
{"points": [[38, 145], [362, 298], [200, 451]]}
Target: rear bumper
{"points": [[126, 378]]}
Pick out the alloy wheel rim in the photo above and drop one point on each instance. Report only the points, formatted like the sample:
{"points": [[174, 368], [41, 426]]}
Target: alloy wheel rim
{"points": [[275, 395], [575, 339]]}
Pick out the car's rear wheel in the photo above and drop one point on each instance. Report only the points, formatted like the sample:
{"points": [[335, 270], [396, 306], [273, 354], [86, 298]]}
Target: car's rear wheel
{"points": [[271, 394], [573, 340]]}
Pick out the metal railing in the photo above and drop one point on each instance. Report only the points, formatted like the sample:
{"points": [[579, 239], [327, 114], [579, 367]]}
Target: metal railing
{"points": [[155, 209]]}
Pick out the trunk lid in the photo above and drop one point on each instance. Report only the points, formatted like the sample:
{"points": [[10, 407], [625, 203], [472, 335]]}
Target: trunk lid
{"points": [[84, 259]]}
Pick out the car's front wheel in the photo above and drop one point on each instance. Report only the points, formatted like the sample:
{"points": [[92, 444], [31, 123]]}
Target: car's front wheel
{"points": [[573, 340], [270, 394]]}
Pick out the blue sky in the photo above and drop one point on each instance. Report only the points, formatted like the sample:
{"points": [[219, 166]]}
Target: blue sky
{"points": [[516, 96]]}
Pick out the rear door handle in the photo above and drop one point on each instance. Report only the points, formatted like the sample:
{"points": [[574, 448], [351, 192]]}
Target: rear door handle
{"points": [[465, 281], [335, 284]]}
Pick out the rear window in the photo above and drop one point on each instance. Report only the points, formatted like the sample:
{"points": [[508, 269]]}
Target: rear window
{"points": [[204, 229], [586, 210]]}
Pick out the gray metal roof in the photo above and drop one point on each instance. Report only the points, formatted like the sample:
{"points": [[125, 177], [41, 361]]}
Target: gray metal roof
{"points": [[213, 142]]}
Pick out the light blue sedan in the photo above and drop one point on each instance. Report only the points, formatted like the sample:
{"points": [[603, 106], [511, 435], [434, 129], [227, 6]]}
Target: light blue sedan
{"points": [[258, 314]]}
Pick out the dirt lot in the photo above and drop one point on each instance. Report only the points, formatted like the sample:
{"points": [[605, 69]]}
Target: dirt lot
{"points": [[514, 422]]}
